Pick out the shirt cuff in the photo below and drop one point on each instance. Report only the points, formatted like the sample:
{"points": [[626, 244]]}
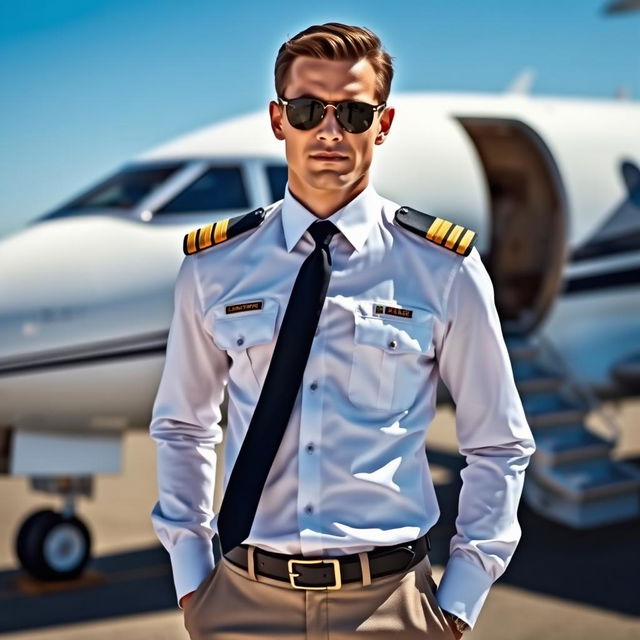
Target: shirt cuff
{"points": [[463, 589], [191, 562]]}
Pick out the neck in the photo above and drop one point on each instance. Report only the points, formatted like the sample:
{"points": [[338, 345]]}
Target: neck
{"points": [[325, 202]]}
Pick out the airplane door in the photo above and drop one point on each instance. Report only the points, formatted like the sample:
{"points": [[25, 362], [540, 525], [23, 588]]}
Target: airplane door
{"points": [[528, 219]]}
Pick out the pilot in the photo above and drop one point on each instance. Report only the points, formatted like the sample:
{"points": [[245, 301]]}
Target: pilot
{"points": [[329, 317]]}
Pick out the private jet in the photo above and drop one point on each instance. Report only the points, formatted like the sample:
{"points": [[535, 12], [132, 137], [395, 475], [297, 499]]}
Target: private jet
{"points": [[550, 185]]}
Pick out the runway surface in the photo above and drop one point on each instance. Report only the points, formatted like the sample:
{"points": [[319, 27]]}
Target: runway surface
{"points": [[561, 583]]}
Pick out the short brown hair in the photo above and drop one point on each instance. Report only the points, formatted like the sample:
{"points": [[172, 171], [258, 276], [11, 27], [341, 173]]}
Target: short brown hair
{"points": [[336, 41]]}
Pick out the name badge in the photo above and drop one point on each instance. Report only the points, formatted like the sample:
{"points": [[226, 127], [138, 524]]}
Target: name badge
{"points": [[254, 305], [399, 312]]}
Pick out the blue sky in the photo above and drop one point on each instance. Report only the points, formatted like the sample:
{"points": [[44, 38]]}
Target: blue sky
{"points": [[86, 84]]}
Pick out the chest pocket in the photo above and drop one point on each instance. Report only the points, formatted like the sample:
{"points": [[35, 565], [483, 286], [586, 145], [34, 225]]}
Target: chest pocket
{"points": [[238, 332], [390, 358]]}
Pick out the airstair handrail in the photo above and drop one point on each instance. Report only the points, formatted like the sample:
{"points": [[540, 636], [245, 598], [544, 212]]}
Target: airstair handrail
{"points": [[580, 388]]}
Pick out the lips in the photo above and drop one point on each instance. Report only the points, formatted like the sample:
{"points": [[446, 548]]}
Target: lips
{"points": [[328, 156]]}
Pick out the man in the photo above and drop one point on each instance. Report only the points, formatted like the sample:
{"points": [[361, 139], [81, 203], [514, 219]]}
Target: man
{"points": [[334, 545]]}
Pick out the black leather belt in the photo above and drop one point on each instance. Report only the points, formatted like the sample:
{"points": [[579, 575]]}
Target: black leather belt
{"points": [[330, 573]]}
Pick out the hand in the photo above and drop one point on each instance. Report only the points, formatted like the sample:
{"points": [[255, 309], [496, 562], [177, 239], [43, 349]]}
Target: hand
{"points": [[456, 634], [452, 625], [185, 598]]}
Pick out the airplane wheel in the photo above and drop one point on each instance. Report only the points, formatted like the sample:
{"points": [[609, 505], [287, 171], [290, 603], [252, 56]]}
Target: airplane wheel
{"points": [[51, 546]]}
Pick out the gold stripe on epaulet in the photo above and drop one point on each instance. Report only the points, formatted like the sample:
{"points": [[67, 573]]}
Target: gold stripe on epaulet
{"points": [[465, 241], [441, 231], [191, 241], [453, 236], [438, 230], [204, 237], [207, 236], [220, 234], [217, 232]]}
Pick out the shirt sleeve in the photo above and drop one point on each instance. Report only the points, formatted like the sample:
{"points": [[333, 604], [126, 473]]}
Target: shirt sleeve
{"points": [[185, 425], [493, 435]]}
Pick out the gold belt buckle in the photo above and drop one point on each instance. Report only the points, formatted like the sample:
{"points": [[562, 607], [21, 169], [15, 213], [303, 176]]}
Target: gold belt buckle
{"points": [[336, 572]]}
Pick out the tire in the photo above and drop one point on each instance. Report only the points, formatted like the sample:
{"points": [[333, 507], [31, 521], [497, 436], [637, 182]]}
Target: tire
{"points": [[51, 546]]}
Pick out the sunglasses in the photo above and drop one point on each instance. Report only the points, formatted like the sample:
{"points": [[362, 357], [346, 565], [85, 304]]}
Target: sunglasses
{"points": [[352, 116]]}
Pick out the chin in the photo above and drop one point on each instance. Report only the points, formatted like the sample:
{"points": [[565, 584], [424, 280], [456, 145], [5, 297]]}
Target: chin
{"points": [[329, 179]]}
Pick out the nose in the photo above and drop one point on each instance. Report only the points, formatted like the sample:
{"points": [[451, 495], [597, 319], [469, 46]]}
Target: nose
{"points": [[329, 127]]}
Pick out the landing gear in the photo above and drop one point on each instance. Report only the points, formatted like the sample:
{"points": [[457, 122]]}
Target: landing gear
{"points": [[53, 545]]}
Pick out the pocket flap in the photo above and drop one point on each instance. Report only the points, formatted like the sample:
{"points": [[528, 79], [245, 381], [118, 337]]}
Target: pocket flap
{"points": [[234, 328], [394, 335]]}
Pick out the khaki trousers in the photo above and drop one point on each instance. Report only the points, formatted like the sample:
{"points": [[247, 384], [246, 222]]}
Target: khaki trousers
{"points": [[234, 604]]}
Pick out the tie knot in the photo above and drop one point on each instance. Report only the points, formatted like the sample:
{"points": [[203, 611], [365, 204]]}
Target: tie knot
{"points": [[323, 231]]}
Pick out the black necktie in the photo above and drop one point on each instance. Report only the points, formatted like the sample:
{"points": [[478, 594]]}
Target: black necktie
{"points": [[279, 392]]}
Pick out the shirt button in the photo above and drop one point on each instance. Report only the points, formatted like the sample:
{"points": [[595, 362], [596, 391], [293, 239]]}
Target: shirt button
{"points": [[308, 508], [240, 341], [310, 447], [393, 344], [313, 386]]}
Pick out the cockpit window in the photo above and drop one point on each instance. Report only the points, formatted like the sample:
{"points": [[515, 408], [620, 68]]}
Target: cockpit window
{"points": [[218, 189], [123, 190], [277, 175]]}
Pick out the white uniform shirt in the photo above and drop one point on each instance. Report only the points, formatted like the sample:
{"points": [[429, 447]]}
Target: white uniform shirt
{"points": [[351, 472]]}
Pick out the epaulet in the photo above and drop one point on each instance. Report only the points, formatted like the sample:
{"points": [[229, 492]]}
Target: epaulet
{"points": [[216, 232], [443, 232]]}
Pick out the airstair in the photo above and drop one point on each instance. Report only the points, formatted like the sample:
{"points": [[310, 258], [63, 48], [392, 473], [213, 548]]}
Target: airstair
{"points": [[573, 477]]}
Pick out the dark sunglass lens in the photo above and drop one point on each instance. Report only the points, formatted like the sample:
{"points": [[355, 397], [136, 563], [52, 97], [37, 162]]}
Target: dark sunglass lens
{"points": [[355, 117], [304, 113]]}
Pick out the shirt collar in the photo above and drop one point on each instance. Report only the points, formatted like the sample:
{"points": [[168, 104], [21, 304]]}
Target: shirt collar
{"points": [[354, 220]]}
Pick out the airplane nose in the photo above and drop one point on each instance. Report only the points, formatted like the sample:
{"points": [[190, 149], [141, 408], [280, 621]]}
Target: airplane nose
{"points": [[81, 259], [84, 280]]}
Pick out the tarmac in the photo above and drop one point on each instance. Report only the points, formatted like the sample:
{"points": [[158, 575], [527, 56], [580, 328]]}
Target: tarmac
{"points": [[561, 582]]}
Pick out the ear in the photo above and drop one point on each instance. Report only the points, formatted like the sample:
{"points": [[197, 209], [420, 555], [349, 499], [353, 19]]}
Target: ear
{"points": [[385, 124], [275, 114]]}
